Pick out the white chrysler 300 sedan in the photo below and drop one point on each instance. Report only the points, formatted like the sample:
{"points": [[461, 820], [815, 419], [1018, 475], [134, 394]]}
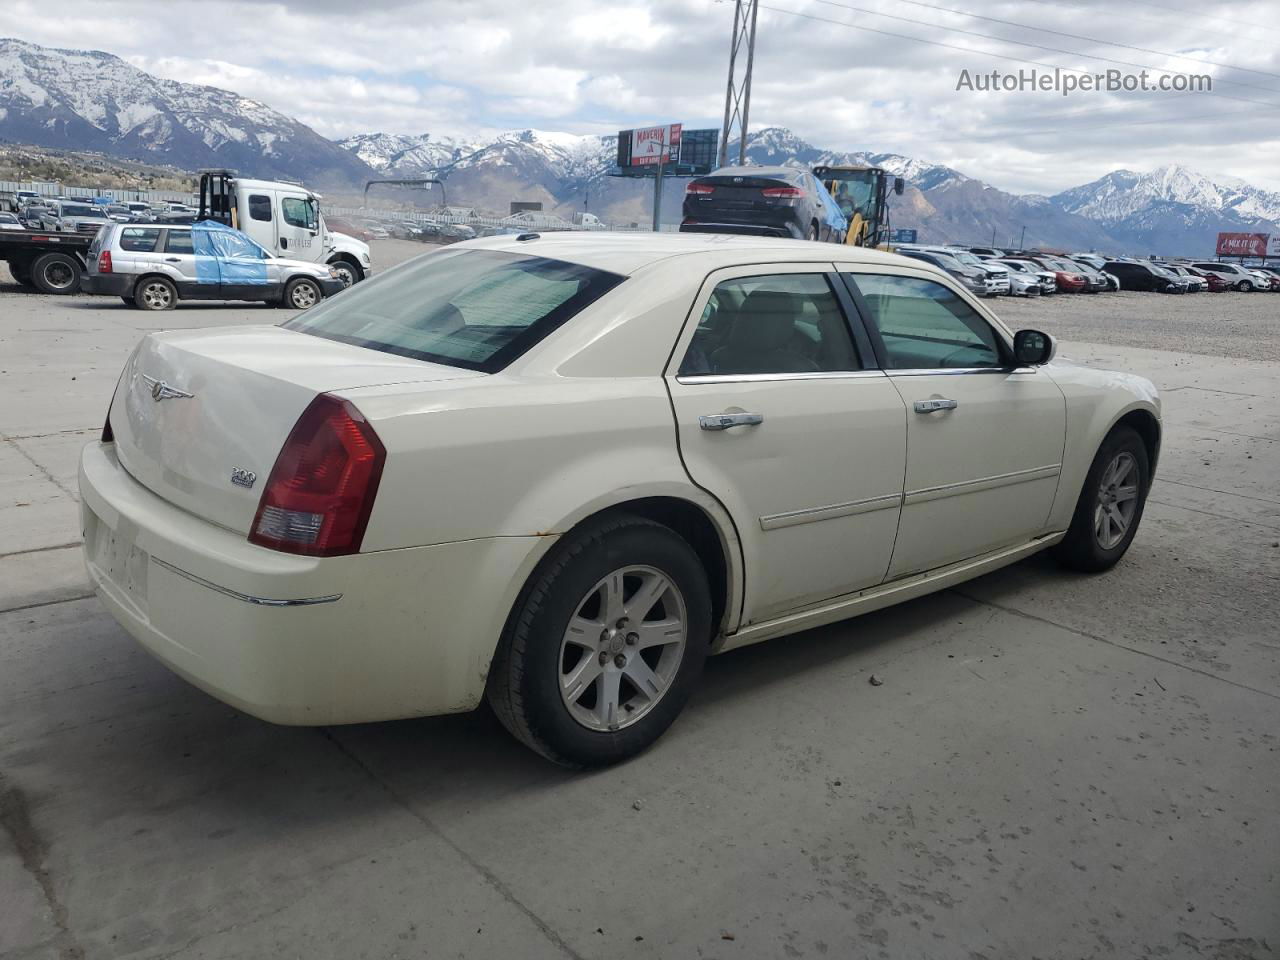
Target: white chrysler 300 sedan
{"points": [[558, 471]]}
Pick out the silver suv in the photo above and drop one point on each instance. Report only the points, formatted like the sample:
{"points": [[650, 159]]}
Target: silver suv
{"points": [[153, 267]]}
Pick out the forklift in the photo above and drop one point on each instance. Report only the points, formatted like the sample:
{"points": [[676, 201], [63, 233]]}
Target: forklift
{"points": [[862, 193]]}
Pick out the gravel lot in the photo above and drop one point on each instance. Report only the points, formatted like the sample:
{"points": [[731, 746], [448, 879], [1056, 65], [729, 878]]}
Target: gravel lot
{"points": [[1239, 325], [1055, 766]]}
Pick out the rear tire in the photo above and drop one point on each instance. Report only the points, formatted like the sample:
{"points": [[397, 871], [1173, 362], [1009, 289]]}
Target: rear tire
{"points": [[574, 678], [56, 273], [813, 232], [1110, 505], [155, 293], [21, 273], [302, 293]]}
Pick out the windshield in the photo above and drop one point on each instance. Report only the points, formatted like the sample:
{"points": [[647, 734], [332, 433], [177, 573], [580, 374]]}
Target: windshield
{"points": [[82, 210], [478, 309], [965, 257], [852, 195]]}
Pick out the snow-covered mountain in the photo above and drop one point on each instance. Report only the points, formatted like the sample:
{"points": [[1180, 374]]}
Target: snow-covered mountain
{"points": [[1123, 193], [399, 154], [89, 100]]}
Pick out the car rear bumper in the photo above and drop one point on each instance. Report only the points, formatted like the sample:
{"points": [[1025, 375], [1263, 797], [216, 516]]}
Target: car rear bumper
{"points": [[108, 284], [297, 640]]}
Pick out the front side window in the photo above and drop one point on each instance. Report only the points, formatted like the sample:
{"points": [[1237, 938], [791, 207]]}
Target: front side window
{"points": [[236, 246], [781, 323], [139, 239], [478, 309], [298, 212], [260, 207], [926, 326]]}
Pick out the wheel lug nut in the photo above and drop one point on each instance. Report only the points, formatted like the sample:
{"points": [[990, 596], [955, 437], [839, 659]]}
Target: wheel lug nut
{"points": [[633, 639], [622, 623], [619, 661], [604, 658], [604, 636]]}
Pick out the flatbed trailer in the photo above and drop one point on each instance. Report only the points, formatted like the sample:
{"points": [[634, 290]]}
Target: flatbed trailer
{"points": [[46, 261]]}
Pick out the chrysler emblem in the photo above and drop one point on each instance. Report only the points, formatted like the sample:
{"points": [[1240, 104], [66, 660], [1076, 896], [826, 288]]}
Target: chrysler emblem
{"points": [[162, 391]]}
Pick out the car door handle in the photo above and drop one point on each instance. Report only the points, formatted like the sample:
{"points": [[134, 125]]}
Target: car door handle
{"points": [[929, 406], [172, 259], [723, 421]]}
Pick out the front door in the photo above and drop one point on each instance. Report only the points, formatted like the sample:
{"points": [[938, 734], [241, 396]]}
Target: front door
{"points": [[984, 437], [779, 418], [299, 228]]}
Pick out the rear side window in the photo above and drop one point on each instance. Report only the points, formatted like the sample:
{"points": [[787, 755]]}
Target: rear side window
{"points": [[179, 241], [259, 206], [781, 323], [139, 239], [925, 325], [478, 309]]}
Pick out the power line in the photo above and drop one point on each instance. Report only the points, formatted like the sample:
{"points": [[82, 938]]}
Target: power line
{"points": [[1067, 4], [986, 53], [1022, 43], [1076, 36]]}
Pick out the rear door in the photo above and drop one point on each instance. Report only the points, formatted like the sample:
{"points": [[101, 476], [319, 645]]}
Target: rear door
{"points": [[195, 280], [137, 251], [779, 418], [984, 437]]}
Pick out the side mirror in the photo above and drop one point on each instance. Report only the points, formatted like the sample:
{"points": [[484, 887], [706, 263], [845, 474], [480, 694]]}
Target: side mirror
{"points": [[899, 185], [1031, 348]]}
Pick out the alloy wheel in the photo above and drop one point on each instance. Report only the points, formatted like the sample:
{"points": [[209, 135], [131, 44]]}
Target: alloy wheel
{"points": [[156, 296], [623, 648], [304, 296], [1117, 501]]}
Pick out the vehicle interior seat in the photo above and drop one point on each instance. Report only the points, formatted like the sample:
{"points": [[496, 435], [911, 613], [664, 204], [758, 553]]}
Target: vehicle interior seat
{"points": [[764, 338]]}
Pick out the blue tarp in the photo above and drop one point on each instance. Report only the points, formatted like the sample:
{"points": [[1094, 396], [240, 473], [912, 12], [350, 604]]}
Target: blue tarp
{"points": [[224, 255], [835, 216]]}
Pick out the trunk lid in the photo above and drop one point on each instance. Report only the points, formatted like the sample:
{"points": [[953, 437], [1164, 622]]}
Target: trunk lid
{"points": [[194, 408]]}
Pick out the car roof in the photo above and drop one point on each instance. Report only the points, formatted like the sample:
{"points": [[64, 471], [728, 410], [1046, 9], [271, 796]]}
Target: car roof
{"points": [[628, 253]]}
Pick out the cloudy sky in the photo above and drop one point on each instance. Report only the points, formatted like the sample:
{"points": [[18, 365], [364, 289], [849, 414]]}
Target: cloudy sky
{"points": [[847, 74]]}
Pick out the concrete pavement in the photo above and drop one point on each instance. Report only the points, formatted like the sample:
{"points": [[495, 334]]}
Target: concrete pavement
{"points": [[1055, 765]]}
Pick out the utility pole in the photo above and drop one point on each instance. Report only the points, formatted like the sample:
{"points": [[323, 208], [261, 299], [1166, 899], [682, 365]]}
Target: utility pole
{"points": [[737, 97], [657, 198], [1022, 244]]}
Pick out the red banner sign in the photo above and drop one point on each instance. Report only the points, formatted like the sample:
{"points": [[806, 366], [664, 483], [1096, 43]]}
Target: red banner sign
{"points": [[1242, 244], [655, 145]]}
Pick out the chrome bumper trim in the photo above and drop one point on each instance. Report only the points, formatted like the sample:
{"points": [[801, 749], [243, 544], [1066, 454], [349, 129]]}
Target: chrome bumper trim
{"points": [[245, 597]]}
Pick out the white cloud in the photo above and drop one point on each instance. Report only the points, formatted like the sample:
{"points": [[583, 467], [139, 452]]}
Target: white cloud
{"points": [[466, 66]]}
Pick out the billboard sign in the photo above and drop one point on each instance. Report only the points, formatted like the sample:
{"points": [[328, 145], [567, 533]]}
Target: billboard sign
{"points": [[904, 236], [1273, 245], [1242, 244], [655, 145]]}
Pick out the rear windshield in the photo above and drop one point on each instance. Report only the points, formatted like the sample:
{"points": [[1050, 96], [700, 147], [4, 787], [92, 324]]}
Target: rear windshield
{"points": [[478, 309]]}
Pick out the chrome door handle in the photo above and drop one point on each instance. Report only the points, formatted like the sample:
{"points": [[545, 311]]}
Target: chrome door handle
{"points": [[929, 406], [723, 421]]}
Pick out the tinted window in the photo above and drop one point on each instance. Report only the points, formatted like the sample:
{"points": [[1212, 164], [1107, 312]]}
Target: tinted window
{"points": [[298, 213], [81, 210], [924, 325], [785, 323], [179, 241], [260, 206], [140, 239], [478, 309]]}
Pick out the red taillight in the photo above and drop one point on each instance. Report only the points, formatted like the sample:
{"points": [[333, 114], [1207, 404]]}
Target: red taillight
{"points": [[782, 192], [699, 189], [104, 261], [321, 490]]}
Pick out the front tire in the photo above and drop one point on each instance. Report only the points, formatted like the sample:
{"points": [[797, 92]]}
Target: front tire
{"points": [[302, 293], [347, 272], [1244, 286], [605, 645], [1110, 505]]}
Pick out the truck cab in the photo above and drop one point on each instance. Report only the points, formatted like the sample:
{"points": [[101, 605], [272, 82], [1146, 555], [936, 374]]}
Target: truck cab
{"points": [[283, 217]]}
